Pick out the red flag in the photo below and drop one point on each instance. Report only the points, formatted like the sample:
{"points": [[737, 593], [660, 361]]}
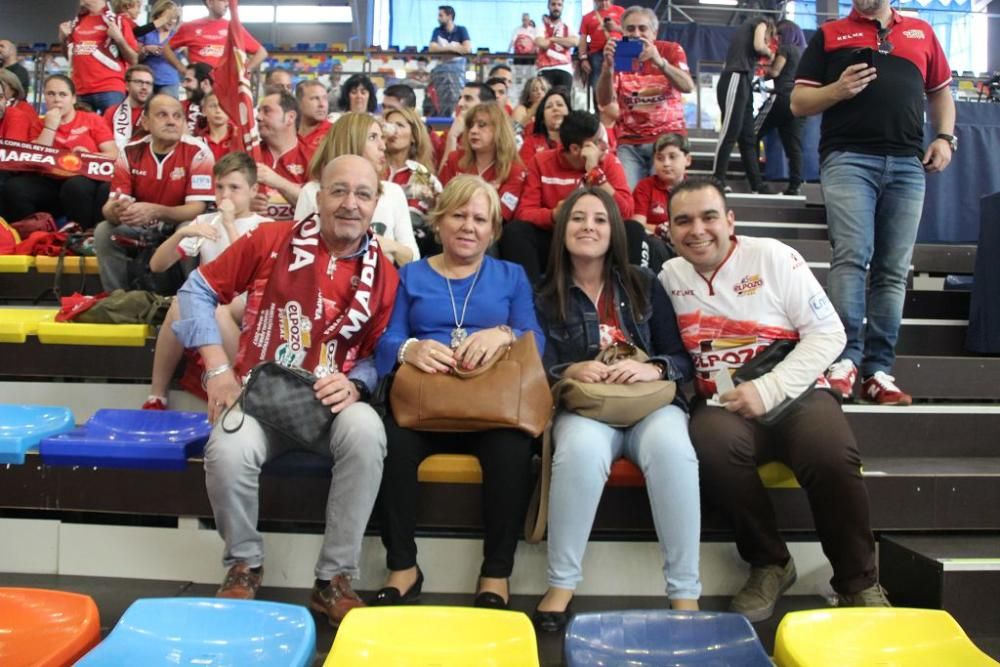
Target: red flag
{"points": [[232, 87]]}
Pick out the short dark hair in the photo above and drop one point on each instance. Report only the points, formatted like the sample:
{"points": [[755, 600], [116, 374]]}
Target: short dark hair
{"points": [[494, 80], [300, 88], [447, 9], [486, 93], [137, 68], [672, 139], [236, 161], [498, 67], [403, 93], [202, 72], [285, 99], [357, 81], [271, 72], [696, 183], [577, 127]]}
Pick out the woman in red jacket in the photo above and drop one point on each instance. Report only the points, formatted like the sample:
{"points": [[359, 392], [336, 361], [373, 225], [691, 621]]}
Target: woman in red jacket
{"points": [[489, 150], [64, 127], [543, 133]]}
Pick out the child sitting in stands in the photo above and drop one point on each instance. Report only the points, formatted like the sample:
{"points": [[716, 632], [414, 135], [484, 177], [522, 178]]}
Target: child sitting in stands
{"points": [[205, 238], [671, 159]]}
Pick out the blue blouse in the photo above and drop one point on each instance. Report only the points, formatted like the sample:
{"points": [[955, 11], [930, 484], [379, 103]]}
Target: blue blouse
{"points": [[423, 307], [164, 73]]}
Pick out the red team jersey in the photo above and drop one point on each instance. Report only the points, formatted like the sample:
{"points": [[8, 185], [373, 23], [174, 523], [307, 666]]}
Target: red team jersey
{"points": [[205, 40], [556, 55], [509, 190], [96, 64], [311, 141], [183, 175], [593, 26], [114, 117], [293, 165], [649, 105], [20, 122], [651, 198], [763, 292], [86, 131]]}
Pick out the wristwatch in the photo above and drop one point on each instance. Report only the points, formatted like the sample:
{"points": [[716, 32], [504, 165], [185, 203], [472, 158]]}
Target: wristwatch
{"points": [[951, 139], [363, 394]]}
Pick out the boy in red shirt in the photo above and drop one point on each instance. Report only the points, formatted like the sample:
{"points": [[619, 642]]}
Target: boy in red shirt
{"points": [[671, 159], [205, 40]]}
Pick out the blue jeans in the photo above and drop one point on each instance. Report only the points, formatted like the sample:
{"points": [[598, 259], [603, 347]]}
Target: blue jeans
{"points": [[172, 89], [660, 446], [596, 62], [101, 101], [637, 159], [873, 208]]}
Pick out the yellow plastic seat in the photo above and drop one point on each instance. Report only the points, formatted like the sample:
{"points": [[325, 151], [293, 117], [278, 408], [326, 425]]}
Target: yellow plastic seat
{"points": [[433, 636], [450, 469], [869, 637], [777, 476], [75, 333], [16, 263], [16, 324], [70, 265]]}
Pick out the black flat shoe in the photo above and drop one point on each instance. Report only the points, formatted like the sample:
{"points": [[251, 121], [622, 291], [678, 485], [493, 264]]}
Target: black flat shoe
{"points": [[551, 621], [487, 600], [390, 595]]}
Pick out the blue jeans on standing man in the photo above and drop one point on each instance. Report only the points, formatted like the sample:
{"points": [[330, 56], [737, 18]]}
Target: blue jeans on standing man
{"points": [[637, 160], [873, 208], [99, 102]]}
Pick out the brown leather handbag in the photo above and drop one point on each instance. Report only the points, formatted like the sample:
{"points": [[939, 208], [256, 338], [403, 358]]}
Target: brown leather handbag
{"points": [[511, 391]]}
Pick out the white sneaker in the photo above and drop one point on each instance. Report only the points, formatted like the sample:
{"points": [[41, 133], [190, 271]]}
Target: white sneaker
{"points": [[841, 376]]}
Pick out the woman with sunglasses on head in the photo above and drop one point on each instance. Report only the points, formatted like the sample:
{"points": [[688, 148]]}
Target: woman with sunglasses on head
{"points": [[489, 150], [590, 300], [543, 133], [532, 93], [361, 134], [410, 161]]}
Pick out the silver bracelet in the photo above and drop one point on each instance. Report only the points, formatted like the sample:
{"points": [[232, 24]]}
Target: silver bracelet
{"points": [[213, 372], [401, 355]]}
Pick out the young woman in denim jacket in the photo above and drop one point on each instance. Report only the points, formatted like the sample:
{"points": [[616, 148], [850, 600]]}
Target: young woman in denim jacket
{"points": [[592, 298]]}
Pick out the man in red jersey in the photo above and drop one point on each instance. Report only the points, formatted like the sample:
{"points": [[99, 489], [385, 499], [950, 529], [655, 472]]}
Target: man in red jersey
{"points": [[595, 30], [205, 40], [163, 179], [313, 110], [285, 164], [124, 119]]}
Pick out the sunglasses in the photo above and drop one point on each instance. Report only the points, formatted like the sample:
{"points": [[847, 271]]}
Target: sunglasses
{"points": [[884, 45]]}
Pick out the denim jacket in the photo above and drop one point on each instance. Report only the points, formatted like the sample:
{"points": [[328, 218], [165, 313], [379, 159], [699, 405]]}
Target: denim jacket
{"points": [[578, 338]]}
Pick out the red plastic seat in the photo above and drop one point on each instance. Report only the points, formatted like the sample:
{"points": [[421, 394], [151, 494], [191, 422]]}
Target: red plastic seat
{"points": [[43, 628]]}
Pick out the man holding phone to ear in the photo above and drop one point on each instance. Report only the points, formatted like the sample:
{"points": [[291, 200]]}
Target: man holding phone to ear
{"points": [[649, 92], [868, 74]]}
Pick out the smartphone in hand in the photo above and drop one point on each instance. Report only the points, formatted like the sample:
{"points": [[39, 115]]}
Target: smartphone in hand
{"points": [[627, 54], [864, 56]]}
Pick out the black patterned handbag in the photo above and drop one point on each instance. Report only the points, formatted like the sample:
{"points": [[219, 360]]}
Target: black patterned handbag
{"points": [[283, 400]]}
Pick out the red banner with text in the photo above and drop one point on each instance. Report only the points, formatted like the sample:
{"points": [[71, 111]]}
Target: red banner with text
{"points": [[22, 156]]}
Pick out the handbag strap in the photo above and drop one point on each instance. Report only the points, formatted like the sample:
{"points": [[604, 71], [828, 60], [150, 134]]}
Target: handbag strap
{"points": [[537, 517]]}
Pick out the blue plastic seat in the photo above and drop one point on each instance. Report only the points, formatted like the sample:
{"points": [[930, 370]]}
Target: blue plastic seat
{"points": [[208, 632], [22, 427], [148, 439], [663, 638]]}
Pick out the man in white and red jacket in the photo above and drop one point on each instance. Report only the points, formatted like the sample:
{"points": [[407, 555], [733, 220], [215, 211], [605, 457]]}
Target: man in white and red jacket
{"points": [[583, 160], [555, 42]]}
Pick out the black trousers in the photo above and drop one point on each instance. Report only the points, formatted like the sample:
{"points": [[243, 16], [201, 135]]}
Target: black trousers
{"points": [[525, 244], [557, 78], [816, 442], [505, 457], [777, 113], [736, 105], [78, 198]]}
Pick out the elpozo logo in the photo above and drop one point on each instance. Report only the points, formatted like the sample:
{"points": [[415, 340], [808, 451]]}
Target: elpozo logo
{"points": [[748, 285]]}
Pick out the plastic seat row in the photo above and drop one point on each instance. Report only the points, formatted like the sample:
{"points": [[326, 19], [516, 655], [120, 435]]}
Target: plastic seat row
{"points": [[43, 264], [16, 324], [110, 438]]}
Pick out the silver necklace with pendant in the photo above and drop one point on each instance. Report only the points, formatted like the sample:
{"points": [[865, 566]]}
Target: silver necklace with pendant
{"points": [[459, 334]]}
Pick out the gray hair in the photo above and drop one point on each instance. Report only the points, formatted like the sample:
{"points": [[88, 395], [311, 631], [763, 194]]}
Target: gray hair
{"points": [[654, 23]]}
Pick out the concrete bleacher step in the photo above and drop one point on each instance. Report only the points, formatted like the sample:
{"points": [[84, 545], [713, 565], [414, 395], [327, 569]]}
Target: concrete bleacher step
{"points": [[957, 573]]}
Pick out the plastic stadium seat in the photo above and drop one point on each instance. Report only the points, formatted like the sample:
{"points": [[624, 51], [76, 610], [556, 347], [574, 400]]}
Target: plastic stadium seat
{"points": [[663, 638], [884, 637], [16, 324], [433, 636], [148, 439], [16, 263], [46, 628], [22, 427], [774, 475], [45, 264], [207, 632], [76, 333], [451, 469]]}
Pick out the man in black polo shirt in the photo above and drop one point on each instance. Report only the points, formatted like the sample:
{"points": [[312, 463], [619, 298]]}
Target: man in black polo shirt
{"points": [[868, 75]]}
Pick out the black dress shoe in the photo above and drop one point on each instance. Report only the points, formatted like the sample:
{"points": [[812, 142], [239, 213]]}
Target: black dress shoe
{"points": [[488, 600], [551, 621], [390, 595]]}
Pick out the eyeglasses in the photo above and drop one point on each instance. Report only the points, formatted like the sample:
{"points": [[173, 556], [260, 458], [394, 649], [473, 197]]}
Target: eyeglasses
{"points": [[884, 45]]}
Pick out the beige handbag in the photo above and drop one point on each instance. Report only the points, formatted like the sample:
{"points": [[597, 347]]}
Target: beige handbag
{"points": [[620, 405]]}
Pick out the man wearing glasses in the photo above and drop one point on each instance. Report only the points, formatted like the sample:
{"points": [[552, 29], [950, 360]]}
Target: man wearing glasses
{"points": [[868, 74], [123, 119]]}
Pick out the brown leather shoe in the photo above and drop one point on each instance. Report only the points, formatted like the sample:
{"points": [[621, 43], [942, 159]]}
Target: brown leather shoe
{"points": [[335, 600], [241, 583]]}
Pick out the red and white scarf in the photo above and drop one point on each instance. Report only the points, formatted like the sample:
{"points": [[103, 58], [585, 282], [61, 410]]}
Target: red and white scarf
{"points": [[122, 125], [298, 325], [107, 53]]}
